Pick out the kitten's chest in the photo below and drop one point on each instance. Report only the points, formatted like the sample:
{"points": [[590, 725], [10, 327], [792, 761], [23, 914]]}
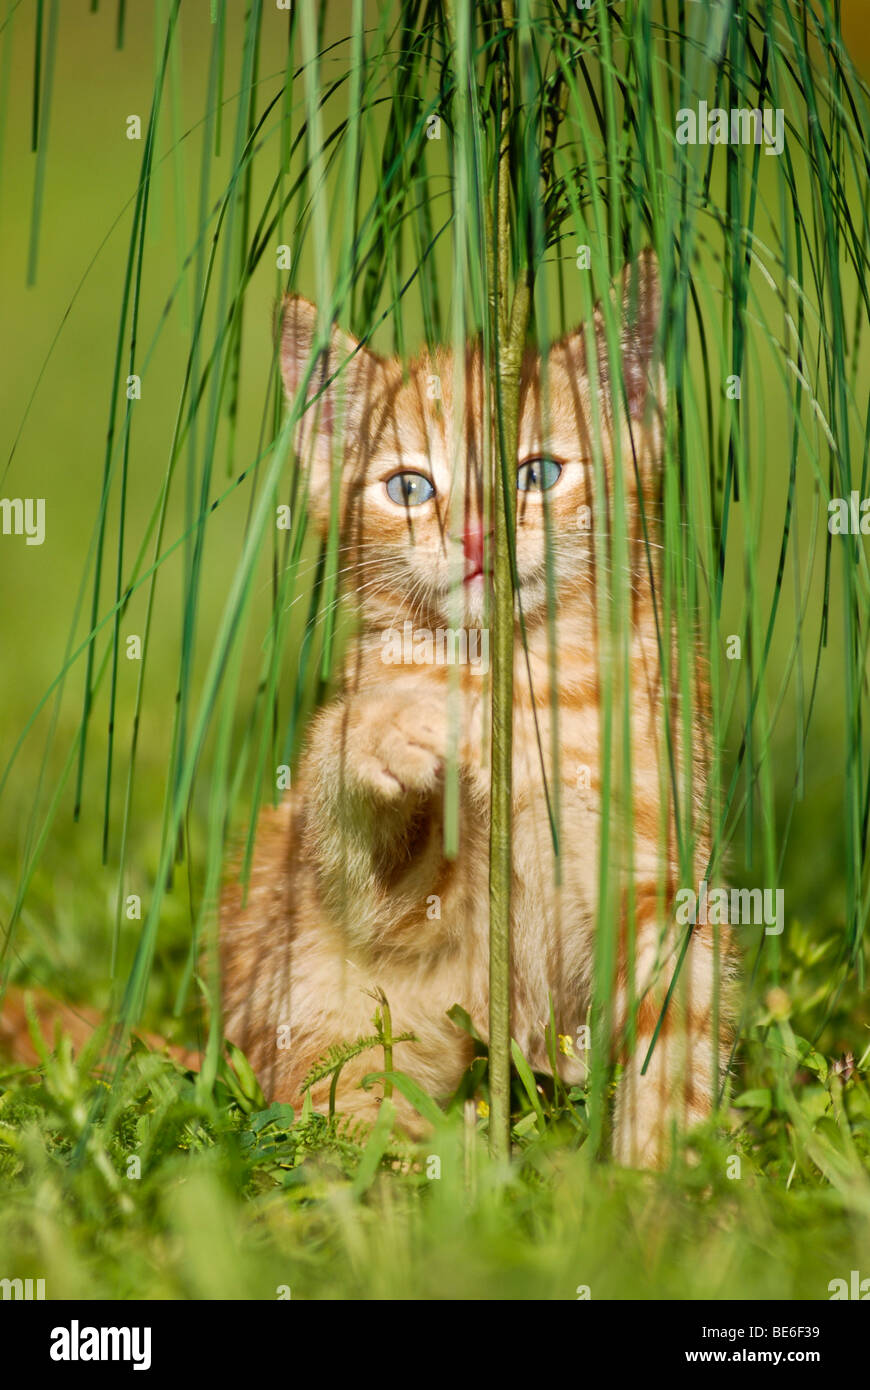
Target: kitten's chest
{"points": [[556, 787], [555, 820], [556, 780]]}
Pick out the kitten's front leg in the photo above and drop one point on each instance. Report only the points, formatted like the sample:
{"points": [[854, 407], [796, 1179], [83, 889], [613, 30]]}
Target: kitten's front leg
{"points": [[374, 770], [675, 1090]]}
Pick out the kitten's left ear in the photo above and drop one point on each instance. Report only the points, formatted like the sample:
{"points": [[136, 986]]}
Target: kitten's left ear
{"points": [[638, 298]]}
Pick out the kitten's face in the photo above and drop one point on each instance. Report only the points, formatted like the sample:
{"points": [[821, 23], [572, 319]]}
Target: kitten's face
{"points": [[414, 541]]}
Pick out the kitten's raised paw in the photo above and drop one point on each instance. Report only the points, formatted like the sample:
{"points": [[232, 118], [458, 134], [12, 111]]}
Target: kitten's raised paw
{"points": [[401, 750]]}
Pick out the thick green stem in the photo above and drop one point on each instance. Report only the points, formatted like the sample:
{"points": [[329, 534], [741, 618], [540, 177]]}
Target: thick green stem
{"points": [[511, 325], [509, 364]]}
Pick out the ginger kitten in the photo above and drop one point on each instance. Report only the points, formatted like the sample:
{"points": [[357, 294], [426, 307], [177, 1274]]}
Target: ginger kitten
{"points": [[346, 868]]}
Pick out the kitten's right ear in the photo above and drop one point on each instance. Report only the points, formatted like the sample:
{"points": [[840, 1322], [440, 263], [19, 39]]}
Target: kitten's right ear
{"points": [[341, 383]]}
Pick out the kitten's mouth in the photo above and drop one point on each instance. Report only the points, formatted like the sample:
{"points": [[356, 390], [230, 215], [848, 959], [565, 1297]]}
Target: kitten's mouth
{"points": [[476, 570]]}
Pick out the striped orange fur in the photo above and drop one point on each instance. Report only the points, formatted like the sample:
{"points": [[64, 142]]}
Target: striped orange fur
{"points": [[348, 870]]}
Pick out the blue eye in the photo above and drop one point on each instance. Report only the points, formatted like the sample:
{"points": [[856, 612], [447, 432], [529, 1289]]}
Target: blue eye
{"points": [[409, 489], [536, 475]]}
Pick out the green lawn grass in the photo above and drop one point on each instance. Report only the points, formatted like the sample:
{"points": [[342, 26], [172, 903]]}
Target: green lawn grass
{"points": [[234, 1199], [158, 1187]]}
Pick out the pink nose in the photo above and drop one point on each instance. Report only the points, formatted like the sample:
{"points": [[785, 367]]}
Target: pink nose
{"points": [[472, 547]]}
